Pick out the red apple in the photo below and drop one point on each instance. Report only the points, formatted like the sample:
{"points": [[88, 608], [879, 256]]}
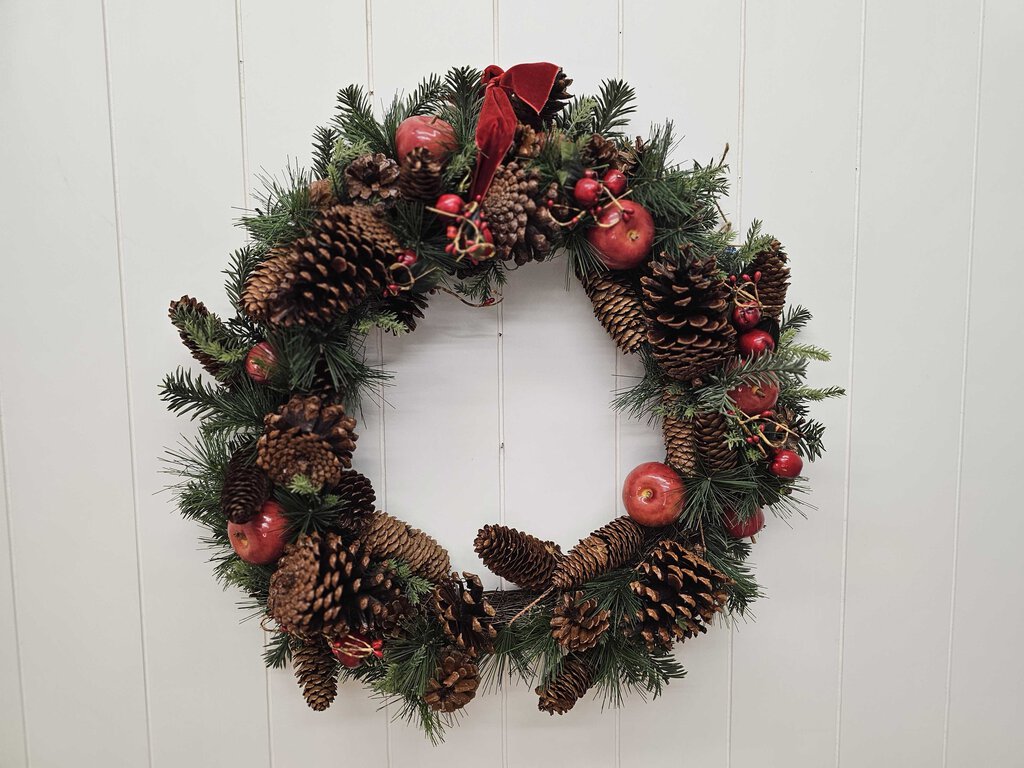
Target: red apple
{"points": [[742, 529], [426, 131], [786, 463], [755, 343], [354, 648], [587, 192], [259, 362], [615, 181], [654, 494], [746, 316], [261, 540], [623, 237], [450, 204], [755, 398]]}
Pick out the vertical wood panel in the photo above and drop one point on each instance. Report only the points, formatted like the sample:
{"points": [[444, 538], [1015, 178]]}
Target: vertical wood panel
{"points": [[65, 427], [177, 146], [799, 158], [918, 132], [987, 669]]}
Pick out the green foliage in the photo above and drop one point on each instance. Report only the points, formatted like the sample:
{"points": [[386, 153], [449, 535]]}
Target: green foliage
{"points": [[214, 339], [615, 102], [324, 140], [239, 409], [283, 211], [415, 587]]}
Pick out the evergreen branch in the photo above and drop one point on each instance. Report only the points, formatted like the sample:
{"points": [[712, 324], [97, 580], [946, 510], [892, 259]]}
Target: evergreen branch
{"points": [[729, 555], [427, 98], [577, 118], [278, 651], [794, 319], [284, 210], [413, 586], [356, 123], [239, 408], [814, 394], [613, 105], [324, 140]]}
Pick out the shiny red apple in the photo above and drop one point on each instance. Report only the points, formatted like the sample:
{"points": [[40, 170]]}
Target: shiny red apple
{"points": [[615, 181], [587, 192], [425, 131], [261, 540], [755, 343], [622, 237], [746, 316], [755, 398], [742, 529], [259, 362], [786, 463], [654, 494]]}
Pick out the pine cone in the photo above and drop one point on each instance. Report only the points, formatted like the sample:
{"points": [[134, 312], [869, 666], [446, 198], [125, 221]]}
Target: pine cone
{"points": [[420, 176], [316, 671], [357, 498], [600, 152], [465, 614], [324, 586], [688, 309], [454, 684], [188, 308], [408, 307], [321, 193], [618, 308], [245, 488], [306, 436], [680, 593], [700, 442], [527, 143], [771, 288], [557, 99], [577, 624], [322, 276], [680, 446], [522, 226], [373, 176], [385, 536], [573, 680], [632, 156], [610, 546], [517, 557]]}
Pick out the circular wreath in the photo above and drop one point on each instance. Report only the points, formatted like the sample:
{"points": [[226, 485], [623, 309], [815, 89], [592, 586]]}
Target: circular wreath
{"points": [[461, 179]]}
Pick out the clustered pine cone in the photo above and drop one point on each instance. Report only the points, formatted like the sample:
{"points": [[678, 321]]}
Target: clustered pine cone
{"points": [[576, 623], [317, 278], [245, 488], [373, 176], [454, 684], [324, 586], [517, 557], [316, 671], [465, 614], [385, 536], [688, 309], [680, 593], [522, 226], [617, 306], [178, 312], [573, 680], [307, 436], [420, 176], [771, 288], [610, 546], [698, 442], [557, 99]]}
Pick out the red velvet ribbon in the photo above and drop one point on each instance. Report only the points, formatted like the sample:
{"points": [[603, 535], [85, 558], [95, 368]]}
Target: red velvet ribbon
{"points": [[496, 129]]}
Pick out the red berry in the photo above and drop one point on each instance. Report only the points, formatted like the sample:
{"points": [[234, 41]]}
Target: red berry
{"points": [[450, 204], [259, 362], [756, 343], [741, 529], [615, 181], [587, 192], [452, 232], [408, 258], [590, 173], [786, 463], [746, 316], [757, 276]]}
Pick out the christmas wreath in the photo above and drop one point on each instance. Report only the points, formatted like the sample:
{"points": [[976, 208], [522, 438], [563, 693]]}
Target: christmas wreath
{"points": [[460, 181]]}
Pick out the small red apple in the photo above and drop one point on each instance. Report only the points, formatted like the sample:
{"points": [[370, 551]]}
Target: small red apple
{"points": [[746, 316], [755, 398], [654, 494], [786, 463], [425, 131], [450, 204], [259, 362], [742, 529], [587, 192], [261, 540], [615, 181], [623, 237], [354, 648], [755, 343]]}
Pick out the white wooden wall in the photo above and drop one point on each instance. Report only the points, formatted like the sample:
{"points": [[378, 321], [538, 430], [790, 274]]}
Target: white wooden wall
{"points": [[881, 141]]}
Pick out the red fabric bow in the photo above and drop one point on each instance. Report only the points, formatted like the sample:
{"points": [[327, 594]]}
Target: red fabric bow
{"points": [[496, 129]]}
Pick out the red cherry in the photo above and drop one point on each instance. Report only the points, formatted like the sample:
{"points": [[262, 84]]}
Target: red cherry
{"points": [[450, 204], [742, 529], [755, 343], [259, 362], [746, 316], [587, 192], [623, 244], [654, 494], [786, 463], [408, 258], [615, 181], [431, 133], [261, 540], [753, 399]]}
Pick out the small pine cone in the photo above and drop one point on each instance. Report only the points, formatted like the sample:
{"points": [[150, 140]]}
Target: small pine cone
{"points": [[771, 288], [571, 683], [577, 624], [372, 177], [316, 671], [521, 223], [307, 436], [454, 683], [420, 176], [617, 306], [323, 585], [632, 156], [181, 309], [408, 307], [465, 614], [395, 613], [527, 142], [610, 546], [517, 557], [688, 309], [321, 193], [385, 536], [357, 499], [557, 99], [600, 152], [680, 446], [679, 592], [245, 488]]}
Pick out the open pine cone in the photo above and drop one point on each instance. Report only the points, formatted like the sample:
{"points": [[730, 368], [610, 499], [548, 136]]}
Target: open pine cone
{"points": [[518, 557], [465, 614], [571, 683], [385, 536], [522, 226], [307, 436], [454, 684], [420, 176], [617, 306], [557, 99], [577, 624], [316, 671], [372, 177], [245, 488]]}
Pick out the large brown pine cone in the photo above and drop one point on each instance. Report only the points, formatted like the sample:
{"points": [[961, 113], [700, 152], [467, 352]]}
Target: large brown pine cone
{"points": [[688, 309], [610, 546], [323, 275], [386, 536], [420, 176], [517, 557], [307, 436], [771, 288], [618, 308], [465, 614], [316, 671], [573, 680], [372, 177], [454, 683], [576, 623], [323, 585], [557, 99], [245, 488], [188, 308], [522, 226]]}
